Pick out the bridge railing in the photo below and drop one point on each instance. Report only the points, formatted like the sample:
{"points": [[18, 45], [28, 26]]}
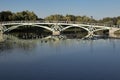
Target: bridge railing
{"points": [[67, 22]]}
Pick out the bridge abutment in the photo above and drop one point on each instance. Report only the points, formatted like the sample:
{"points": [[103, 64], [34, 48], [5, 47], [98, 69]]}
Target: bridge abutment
{"points": [[112, 33], [1, 36], [1, 30]]}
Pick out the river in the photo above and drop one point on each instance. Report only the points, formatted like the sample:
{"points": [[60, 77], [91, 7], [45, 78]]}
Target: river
{"points": [[67, 59]]}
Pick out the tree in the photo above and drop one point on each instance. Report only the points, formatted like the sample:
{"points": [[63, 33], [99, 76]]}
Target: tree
{"points": [[5, 16], [114, 21], [106, 20], [70, 17], [32, 16], [118, 22], [86, 19], [24, 15], [56, 17], [78, 19]]}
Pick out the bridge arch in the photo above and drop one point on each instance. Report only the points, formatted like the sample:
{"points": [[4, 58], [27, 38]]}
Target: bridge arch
{"points": [[72, 26], [12, 28], [99, 30], [15, 27], [45, 27], [77, 26]]}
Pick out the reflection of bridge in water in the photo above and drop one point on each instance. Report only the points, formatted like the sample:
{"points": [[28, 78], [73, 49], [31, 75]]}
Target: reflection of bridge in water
{"points": [[56, 28], [11, 37], [27, 45]]}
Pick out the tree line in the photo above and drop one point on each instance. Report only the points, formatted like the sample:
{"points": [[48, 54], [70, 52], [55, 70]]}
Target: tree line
{"points": [[31, 16], [84, 19], [18, 16]]}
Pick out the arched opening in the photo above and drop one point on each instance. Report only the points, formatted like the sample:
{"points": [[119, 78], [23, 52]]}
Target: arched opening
{"points": [[102, 32], [74, 32], [30, 32]]}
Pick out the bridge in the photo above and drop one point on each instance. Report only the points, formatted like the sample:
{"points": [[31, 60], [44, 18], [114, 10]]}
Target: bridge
{"points": [[56, 28]]}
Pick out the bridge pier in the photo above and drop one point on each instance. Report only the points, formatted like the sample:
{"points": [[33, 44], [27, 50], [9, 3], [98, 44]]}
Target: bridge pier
{"points": [[56, 33]]}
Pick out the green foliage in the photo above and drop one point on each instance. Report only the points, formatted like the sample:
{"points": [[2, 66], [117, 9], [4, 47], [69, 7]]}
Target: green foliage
{"points": [[70, 18], [5, 16], [24, 15], [86, 19], [56, 17], [111, 21], [118, 22], [31, 16]]}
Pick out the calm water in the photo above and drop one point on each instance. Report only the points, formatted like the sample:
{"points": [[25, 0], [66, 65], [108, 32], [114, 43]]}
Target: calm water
{"points": [[70, 59]]}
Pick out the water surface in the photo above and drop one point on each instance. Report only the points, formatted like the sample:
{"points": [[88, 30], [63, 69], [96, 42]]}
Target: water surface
{"points": [[71, 59]]}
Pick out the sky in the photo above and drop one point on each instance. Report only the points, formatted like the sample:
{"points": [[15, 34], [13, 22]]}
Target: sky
{"points": [[43, 8]]}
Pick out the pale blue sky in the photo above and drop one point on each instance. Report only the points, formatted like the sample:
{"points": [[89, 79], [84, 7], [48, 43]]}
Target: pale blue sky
{"points": [[96, 8]]}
